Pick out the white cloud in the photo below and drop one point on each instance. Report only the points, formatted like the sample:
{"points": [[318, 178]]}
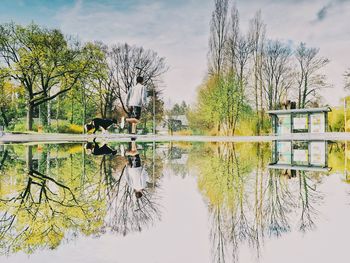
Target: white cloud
{"points": [[288, 20], [180, 33]]}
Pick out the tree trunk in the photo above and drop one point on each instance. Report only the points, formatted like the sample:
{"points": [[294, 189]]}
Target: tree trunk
{"points": [[30, 117], [3, 115], [48, 113], [261, 95], [72, 110], [57, 113], [84, 108], [43, 114], [256, 91]]}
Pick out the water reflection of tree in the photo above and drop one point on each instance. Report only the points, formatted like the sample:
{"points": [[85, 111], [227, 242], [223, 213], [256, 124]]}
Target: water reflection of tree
{"points": [[36, 196], [218, 234], [3, 156], [309, 197], [39, 207], [58, 193], [223, 178], [126, 213], [249, 203], [279, 203]]}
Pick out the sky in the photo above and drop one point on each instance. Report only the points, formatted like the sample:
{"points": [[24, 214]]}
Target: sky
{"points": [[179, 30]]}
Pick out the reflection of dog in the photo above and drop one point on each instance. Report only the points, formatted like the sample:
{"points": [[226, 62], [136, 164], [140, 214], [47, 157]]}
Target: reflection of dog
{"points": [[95, 149], [98, 123], [289, 173]]}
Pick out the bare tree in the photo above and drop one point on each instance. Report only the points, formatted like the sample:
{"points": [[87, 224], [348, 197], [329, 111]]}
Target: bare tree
{"points": [[232, 40], [347, 79], [257, 37], [218, 37], [309, 80], [127, 62], [242, 52], [277, 72], [101, 79]]}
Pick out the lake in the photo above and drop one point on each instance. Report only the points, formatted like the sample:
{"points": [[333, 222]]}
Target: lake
{"points": [[175, 202]]}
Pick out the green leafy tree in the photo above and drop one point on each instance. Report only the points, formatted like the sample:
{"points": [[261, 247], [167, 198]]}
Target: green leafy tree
{"points": [[11, 100], [43, 61], [221, 105]]}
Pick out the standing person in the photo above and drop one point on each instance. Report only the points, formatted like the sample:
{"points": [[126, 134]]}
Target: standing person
{"points": [[135, 99]]}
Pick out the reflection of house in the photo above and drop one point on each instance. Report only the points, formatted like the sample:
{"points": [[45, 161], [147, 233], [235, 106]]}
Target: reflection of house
{"points": [[300, 155], [313, 120], [182, 119], [178, 156], [172, 123]]}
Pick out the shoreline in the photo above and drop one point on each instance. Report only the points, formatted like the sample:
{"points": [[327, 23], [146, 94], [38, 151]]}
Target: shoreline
{"points": [[61, 138]]}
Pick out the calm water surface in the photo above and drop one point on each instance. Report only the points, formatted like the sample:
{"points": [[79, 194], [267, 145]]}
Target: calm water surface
{"points": [[200, 203]]}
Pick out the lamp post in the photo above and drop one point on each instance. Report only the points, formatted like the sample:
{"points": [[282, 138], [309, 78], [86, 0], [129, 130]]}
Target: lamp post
{"points": [[346, 143], [345, 114], [154, 110]]}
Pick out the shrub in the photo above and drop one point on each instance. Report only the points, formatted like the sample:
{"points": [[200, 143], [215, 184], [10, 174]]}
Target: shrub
{"points": [[73, 128], [183, 132], [336, 120]]}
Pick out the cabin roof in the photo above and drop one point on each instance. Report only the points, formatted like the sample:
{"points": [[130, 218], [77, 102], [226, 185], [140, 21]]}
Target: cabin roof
{"points": [[299, 167], [309, 110]]}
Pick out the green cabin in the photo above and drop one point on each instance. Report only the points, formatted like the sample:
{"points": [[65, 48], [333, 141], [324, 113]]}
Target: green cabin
{"points": [[312, 120]]}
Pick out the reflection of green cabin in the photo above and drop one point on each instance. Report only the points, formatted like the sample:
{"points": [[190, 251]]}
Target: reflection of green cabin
{"points": [[300, 155], [313, 120]]}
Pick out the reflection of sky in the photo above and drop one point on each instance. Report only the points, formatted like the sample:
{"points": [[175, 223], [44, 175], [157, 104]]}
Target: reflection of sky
{"points": [[181, 236], [183, 233], [328, 243]]}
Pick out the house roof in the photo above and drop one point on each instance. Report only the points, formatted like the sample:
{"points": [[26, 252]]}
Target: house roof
{"points": [[309, 110], [182, 118]]}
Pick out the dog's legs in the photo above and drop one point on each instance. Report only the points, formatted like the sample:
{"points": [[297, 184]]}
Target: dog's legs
{"points": [[104, 131], [122, 123]]}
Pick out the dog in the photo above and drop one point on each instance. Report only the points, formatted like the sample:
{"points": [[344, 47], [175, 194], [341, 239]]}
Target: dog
{"points": [[104, 124], [288, 105]]}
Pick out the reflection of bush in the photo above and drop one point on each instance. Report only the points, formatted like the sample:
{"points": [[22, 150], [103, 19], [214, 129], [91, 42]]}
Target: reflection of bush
{"points": [[50, 194], [40, 207]]}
